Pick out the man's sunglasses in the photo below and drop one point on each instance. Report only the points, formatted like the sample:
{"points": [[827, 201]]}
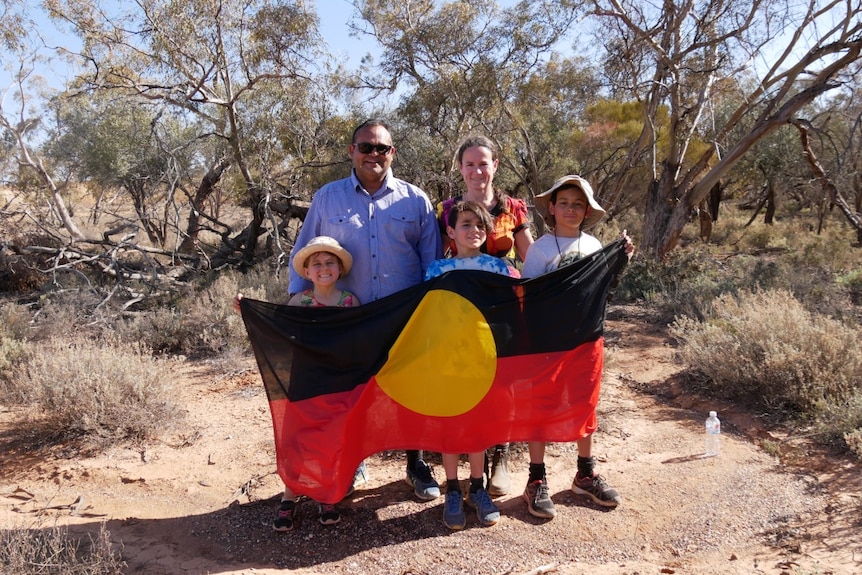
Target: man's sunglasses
{"points": [[366, 148]]}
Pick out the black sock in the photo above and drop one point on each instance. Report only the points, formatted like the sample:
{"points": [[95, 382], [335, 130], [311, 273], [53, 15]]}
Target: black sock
{"points": [[453, 485], [586, 466], [537, 472], [412, 458], [476, 483]]}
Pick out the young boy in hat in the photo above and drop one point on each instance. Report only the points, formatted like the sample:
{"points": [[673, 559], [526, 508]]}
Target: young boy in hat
{"points": [[569, 209]]}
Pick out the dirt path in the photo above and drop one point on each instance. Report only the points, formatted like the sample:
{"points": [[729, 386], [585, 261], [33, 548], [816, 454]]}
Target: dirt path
{"points": [[202, 501]]}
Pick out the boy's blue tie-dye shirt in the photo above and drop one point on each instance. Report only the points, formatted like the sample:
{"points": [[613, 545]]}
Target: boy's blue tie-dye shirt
{"points": [[482, 262]]}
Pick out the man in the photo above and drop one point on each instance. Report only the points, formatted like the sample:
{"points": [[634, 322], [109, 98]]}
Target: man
{"points": [[390, 228]]}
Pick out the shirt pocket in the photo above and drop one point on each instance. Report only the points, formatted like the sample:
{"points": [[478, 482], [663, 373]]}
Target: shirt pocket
{"points": [[403, 225], [345, 221]]}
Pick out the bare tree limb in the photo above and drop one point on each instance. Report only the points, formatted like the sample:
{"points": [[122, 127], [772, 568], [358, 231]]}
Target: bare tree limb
{"points": [[832, 191]]}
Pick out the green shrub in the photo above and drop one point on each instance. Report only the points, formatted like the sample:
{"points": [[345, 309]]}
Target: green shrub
{"points": [[12, 353], [852, 281], [765, 350], [685, 284], [107, 393], [53, 551]]}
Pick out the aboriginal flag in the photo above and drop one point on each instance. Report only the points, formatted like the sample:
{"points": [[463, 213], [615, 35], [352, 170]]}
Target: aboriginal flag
{"points": [[456, 364]]}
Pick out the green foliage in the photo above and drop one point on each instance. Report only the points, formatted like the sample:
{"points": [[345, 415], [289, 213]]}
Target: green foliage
{"points": [[97, 393], [14, 348], [765, 350], [12, 353], [54, 551], [853, 282], [14, 321], [685, 284], [787, 255]]}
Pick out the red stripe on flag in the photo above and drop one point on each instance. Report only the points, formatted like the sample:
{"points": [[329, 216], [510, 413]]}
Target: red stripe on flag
{"points": [[540, 397]]}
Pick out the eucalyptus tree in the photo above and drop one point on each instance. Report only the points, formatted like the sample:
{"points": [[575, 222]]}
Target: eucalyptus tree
{"points": [[112, 144], [677, 55], [458, 67], [214, 62], [837, 140], [22, 125]]}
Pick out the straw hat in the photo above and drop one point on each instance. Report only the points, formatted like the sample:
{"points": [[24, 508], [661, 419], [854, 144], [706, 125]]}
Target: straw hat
{"points": [[322, 244], [595, 214]]}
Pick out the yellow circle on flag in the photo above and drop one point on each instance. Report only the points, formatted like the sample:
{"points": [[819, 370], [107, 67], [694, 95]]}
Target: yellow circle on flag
{"points": [[445, 359]]}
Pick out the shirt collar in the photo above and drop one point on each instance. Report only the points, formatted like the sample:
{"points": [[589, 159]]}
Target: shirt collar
{"points": [[358, 187]]}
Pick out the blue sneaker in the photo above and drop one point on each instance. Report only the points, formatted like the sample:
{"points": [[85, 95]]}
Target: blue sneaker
{"points": [[453, 511], [486, 511], [422, 482]]}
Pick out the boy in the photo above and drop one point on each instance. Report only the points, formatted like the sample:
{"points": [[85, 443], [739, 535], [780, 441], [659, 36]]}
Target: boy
{"points": [[569, 209], [468, 225]]}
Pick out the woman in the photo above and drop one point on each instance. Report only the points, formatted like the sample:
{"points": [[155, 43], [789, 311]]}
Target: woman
{"points": [[509, 239]]}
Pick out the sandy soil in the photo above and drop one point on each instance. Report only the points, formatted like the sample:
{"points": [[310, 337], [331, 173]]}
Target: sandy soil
{"points": [[202, 501]]}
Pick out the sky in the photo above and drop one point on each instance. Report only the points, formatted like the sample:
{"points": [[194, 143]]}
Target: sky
{"points": [[334, 17]]}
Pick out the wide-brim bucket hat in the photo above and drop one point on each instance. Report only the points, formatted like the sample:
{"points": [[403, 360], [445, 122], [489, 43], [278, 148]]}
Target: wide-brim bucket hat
{"points": [[596, 212], [322, 244]]}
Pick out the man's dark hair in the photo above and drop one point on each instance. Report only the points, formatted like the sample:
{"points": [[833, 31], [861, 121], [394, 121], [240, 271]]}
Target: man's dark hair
{"points": [[370, 123]]}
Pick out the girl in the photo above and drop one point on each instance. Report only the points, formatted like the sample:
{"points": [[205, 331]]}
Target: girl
{"points": [[322, 261]]}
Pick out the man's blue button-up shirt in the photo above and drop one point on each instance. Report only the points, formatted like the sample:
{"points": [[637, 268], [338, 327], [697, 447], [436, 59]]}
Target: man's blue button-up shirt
{"points": [[393, 235]]}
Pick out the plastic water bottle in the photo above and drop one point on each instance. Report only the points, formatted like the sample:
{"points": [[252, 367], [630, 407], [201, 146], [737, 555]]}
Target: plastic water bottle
{"points": [[713, 434]]}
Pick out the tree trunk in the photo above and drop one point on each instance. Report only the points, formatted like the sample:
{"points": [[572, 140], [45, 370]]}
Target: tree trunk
{"points": [[665, 216], [715, 197], [205, 189], [832, 196], [254, 231], [769, 216]]}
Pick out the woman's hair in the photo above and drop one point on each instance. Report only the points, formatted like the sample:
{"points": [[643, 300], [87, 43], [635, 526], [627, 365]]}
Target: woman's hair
{"points": [[478, 141], [475, 141], [475, 208]]}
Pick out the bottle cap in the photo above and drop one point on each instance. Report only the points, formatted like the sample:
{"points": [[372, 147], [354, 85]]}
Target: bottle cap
{"points": [[712, 414]]}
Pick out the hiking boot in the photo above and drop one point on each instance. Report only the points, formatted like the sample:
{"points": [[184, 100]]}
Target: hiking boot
{"points": [[597, 489], [499, 481], [286, 515], [453, 511], [486, 511], [539, 499], [422, 481], [360, 478], [328, 514]]}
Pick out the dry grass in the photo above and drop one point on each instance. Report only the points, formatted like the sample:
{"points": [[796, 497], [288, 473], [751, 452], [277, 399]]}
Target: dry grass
{"points": [[53, 551], [765, 350], [99, 394]]}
